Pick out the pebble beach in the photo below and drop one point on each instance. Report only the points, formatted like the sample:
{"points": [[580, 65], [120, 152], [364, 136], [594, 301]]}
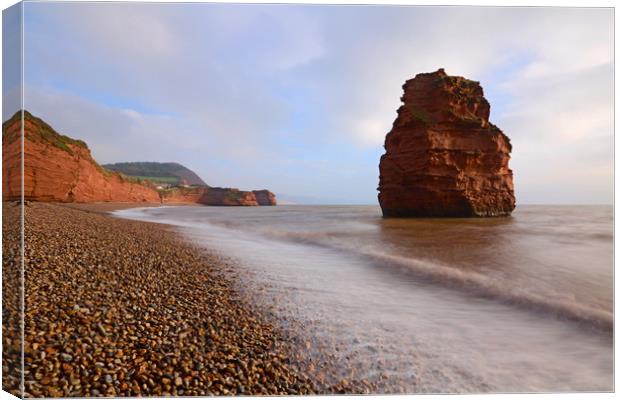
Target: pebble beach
{"points": [[127, 308]]}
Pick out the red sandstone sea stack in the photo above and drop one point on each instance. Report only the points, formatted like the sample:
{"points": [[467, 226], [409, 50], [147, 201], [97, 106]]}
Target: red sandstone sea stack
{"points": [[443, 157]]}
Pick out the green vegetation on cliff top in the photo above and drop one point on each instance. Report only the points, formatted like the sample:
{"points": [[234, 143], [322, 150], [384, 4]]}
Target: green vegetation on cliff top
{"points": [[45, 132], [137, 172]]}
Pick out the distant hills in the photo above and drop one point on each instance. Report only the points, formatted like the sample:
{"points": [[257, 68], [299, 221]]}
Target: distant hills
{"points": [[161, 173]]}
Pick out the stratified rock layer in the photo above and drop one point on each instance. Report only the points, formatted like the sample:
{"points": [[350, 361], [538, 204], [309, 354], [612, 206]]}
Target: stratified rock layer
{"points": [[265, 197], [210, 196], [443, 158]]}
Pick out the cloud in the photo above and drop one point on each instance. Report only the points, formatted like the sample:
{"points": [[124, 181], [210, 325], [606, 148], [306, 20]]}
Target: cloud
{"points": [[562, 130], [11, 61]]}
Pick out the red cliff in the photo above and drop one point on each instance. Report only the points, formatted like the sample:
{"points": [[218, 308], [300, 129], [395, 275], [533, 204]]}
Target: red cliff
{"points": [[443, 157], [228, 197], [58, 168], [209, 196], [265, 197]]}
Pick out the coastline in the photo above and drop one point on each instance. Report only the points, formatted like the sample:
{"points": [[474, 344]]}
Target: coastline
{"points": [[119, 307]]}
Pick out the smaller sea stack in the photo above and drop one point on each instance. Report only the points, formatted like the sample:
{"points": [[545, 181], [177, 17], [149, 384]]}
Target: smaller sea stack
{"points": [[443, 157], [264, 197]]}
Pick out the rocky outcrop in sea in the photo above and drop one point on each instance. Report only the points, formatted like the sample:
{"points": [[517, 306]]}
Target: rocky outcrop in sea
{"points": [[443, 157], [265, 197]]}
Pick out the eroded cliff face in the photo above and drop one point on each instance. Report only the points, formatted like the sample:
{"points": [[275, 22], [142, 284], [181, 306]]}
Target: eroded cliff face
{"points": [[228, 197], [210, 196], [443, 157], [265, 197], [181, 195], [58, 168]]}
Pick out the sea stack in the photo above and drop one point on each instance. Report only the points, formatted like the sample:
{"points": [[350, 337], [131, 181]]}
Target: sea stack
{"points": [[443, 157], [264, 197]]}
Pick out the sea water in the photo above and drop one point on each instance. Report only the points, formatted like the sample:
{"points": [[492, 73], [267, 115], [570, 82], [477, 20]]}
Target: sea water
{"points": [[517, 304]]}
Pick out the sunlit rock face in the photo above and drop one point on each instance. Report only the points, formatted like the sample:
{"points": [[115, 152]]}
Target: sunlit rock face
{"points": [[59, 168], [443, 157], [265, 197]]}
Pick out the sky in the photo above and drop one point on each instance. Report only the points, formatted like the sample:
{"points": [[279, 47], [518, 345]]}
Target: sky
{"points": [[298, 98]]}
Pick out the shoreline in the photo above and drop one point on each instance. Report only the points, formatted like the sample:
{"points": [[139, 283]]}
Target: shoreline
{"points": [[106, 208], [119, 307]]}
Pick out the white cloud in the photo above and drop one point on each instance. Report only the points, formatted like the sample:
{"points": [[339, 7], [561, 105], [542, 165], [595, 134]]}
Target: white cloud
{"points": [[137, 31], [563, 132]]}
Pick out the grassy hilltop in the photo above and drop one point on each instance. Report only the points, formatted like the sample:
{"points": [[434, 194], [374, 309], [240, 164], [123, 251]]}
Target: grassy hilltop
{"points": [[163, 173]]}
